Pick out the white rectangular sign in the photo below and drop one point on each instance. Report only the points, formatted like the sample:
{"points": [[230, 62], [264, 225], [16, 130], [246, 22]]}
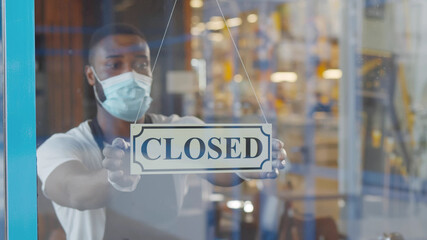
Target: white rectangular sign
{"points": [[184, 148]]}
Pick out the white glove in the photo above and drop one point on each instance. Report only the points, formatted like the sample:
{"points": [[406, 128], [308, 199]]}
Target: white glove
{"points": [[279, 160], [116, 161]]}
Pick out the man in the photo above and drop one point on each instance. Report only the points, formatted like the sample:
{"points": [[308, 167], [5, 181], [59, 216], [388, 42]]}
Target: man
{"points": [[83, 171]]}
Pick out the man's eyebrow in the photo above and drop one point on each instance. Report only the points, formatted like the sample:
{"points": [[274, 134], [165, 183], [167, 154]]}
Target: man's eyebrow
{"points": [[141, 56], [114, 56]]}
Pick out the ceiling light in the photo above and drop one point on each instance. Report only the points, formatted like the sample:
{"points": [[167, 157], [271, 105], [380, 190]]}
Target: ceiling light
{"points": [[196, 3], [332, 74], [234, 204], [234, 22], [248, 207], [284, 77], [252, 18]]}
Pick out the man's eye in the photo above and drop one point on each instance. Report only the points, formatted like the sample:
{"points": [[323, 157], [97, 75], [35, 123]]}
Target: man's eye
{"points": [[140, 66], [114, 65]]}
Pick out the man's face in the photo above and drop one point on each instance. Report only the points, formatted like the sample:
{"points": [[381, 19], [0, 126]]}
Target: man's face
{"points": [[117, 54]]}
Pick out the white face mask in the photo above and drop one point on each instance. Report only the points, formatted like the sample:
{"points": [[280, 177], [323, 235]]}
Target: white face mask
{"points": [[127, 95]]}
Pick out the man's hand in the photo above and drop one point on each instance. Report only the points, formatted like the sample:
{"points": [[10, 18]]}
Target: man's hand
{"points": [[116, 161], [279, 160]]}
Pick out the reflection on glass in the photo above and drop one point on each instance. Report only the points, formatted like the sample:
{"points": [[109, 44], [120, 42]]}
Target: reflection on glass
{"points": [[93, 81]]}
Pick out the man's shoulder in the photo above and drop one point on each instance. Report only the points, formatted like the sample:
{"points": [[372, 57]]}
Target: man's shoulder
{"points": [[63, 147], [74, 136], [174, 119]]}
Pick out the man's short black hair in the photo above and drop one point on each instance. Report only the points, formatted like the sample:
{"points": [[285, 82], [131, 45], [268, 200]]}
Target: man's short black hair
{"points": [[112, 29]]}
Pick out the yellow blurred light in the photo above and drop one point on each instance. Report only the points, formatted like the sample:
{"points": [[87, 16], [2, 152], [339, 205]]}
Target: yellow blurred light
{"points": [[252, 18], [215, 37], [332, 74], [198, 29], [234, 22], [376, 136], [196, 3], [195, 31], [215, 23], [278, 77]]}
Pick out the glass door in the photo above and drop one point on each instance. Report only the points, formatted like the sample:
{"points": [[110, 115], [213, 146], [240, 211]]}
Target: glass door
{"points": [[341, 83]]}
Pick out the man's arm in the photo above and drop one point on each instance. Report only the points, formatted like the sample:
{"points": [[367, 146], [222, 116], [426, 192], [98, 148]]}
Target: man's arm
{"points": [[224, 179], [72, 185]]}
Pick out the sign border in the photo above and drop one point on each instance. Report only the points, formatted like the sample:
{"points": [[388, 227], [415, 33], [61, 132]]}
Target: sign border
{"points": [[192, 126]]}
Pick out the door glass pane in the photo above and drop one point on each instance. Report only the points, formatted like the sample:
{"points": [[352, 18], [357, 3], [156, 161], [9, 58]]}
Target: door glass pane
{"points": [[341, 82]]}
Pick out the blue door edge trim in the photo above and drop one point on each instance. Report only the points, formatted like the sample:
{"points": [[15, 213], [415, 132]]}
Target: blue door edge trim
{"points": [[20, 122]]}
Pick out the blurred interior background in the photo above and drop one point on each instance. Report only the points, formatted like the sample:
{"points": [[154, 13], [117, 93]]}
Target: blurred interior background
{"points": [[342, 82]]}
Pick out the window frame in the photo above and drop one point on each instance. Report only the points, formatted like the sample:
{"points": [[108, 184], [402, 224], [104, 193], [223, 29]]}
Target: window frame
{"points": [[20, 119]]}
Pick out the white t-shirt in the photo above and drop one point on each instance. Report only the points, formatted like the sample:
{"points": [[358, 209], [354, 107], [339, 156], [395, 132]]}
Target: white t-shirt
{"points": [[79, 144]]}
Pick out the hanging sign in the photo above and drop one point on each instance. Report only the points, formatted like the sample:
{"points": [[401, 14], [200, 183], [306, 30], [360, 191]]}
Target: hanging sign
{"points": [[161, 148]]}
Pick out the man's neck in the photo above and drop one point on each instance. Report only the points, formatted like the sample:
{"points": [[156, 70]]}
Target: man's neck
{"points": [[113, 127]]}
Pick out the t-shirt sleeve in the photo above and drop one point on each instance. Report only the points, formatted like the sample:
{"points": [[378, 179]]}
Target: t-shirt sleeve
{"points": [[175, 119], [58, 149], [188, 120]]}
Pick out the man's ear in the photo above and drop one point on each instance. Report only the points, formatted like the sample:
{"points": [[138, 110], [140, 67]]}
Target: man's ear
{"points": [[90, 76]]}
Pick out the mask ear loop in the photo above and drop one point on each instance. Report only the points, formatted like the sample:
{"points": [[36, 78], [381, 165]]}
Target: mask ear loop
{"points": [[94, 86], [158, 54]]}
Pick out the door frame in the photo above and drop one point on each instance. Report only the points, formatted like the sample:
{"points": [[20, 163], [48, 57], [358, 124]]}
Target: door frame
{"points": [[19, 119]]}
